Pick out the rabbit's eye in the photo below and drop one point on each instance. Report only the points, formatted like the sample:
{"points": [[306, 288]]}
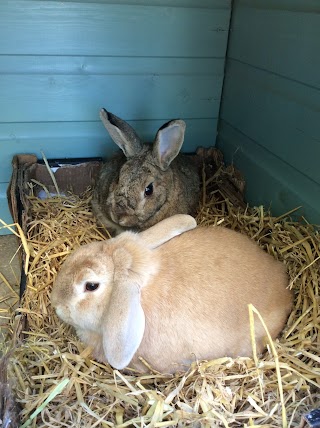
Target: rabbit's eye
{"points": [[91, 286], [148, 190]]}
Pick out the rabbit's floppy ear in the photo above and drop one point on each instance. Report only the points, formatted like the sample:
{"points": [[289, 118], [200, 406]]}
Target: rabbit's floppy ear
{"points": [[125, 320], [168, 142], [167, 229], [122, 133]]}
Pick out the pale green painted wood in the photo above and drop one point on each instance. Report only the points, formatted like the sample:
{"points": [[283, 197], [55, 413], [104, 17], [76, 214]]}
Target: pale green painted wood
{"points": [[86, 139], [60, 28], [288, 5], [211, 4], [270, 115], [77, 98], [285, 42], [103, 65], [147, 62], [281, 115], [269, 180]]}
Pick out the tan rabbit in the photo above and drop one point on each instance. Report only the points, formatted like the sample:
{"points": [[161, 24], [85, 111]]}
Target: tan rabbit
{"points": [[144, 183], [171, 297]]}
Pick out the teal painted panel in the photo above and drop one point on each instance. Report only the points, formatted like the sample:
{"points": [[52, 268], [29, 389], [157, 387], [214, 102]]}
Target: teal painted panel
{"points": [[86, 139], [36, 98], [60, 62], [289, 5], [269, 181], [95, 65], [270, 115], [281, 41], [211, 4], [65, 28], [280, 114]]}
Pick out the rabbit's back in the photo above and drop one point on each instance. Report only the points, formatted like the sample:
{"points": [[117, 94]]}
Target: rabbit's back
{"points": [[197, 305]]}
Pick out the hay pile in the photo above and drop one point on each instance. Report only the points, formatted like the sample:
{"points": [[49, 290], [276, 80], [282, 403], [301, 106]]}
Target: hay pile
{"points": [[58, 384]]}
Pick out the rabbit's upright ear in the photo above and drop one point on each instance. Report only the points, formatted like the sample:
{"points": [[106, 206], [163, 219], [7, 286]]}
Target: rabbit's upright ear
{"points": [[167, 229], [122, 133], [124, 322], [168, 142]]}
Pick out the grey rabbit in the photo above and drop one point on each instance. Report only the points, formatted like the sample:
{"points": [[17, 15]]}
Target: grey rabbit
{"points": [[144, 183]]}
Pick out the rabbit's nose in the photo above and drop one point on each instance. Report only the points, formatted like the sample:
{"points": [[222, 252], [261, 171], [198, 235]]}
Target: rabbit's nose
{"points": [[120, 209], [125, 205], [121, 205]]}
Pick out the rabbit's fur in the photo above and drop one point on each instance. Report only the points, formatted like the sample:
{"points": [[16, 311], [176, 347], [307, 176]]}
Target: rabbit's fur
{"points": [[123, 198], [172, 301]]}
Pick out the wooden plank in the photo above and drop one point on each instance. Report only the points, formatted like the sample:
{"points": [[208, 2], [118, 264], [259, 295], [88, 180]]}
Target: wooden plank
{"points": [[76, 98], [90, 65], [61, 61], [269, 180], [279, 114], [210, 4], [37, 98], [67, 28], [284, 42], [289, 5], [86, 139]]}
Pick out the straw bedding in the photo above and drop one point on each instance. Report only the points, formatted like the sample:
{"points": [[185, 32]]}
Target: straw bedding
{"points": [[58, 384]]}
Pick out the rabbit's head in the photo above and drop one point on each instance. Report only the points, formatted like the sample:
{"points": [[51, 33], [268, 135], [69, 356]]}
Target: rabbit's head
{"points": [[150, 183]]}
